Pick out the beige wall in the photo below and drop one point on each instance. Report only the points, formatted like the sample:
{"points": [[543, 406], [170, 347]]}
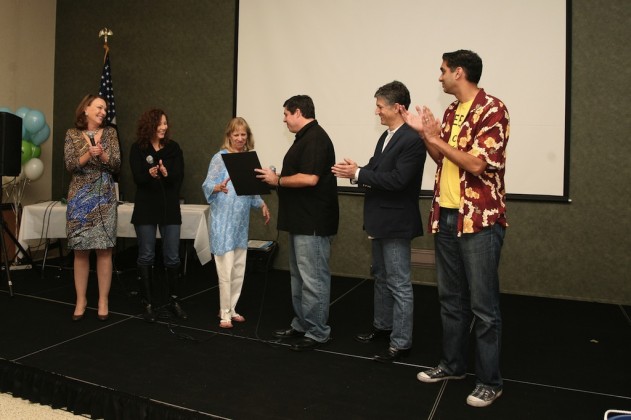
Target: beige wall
{"points": [[27, 58]]}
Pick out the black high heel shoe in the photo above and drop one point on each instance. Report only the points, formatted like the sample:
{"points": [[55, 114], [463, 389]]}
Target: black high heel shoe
{"points": [[104, 317], [76, 318]]}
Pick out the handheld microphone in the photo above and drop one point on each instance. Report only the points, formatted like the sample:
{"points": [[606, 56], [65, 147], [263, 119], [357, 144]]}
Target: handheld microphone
{"points": [[152, 162], [91, 137]]}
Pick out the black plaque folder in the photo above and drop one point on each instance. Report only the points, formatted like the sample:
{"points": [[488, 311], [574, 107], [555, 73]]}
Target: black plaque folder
{"points": [[241, 170]]}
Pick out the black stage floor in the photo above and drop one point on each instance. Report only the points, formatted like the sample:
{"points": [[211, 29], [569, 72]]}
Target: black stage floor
{"points": [[561, 359]]}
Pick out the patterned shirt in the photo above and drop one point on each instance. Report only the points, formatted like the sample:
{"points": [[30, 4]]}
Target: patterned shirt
{"points": [[229, 220], [483, 134]]}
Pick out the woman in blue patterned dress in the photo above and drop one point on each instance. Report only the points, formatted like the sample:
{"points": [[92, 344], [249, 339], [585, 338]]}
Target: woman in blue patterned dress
{"points": [[92, 156], [229, 221]]}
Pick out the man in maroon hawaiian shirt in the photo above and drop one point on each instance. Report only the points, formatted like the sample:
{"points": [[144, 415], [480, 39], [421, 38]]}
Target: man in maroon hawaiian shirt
{"points": [[468, 217]]}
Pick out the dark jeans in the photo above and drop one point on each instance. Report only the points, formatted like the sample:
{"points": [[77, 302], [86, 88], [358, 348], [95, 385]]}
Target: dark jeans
{"points": [[468, 288]]}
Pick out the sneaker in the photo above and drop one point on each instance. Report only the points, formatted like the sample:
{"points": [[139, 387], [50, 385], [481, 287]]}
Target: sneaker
{"points": [[436, 374], [483, 395]]}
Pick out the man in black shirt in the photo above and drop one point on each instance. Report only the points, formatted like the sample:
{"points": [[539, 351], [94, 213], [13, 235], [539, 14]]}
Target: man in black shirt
{"points": [[308, 210]]}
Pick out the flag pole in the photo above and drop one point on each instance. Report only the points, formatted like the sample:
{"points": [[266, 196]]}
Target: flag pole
{"points": [[105, 32], [106, 90]]}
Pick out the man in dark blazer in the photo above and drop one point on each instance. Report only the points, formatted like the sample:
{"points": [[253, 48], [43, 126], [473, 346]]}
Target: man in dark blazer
{"points": [[392, 179]]}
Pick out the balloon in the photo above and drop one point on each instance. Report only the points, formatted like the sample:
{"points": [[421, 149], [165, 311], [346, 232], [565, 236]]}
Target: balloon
{"points": [[34, 120], [27, 151], [37, 151], [34, 169], [7, 180], [25, 134], [5, 109], [41, 136], [22, 111]]}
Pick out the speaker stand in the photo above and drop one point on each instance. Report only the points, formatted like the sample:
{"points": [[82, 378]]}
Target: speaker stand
{"points": [[6, 263]]}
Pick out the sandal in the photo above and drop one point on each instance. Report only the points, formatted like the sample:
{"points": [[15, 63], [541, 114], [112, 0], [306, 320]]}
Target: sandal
{"points": [[225, 324], [238, 318]]}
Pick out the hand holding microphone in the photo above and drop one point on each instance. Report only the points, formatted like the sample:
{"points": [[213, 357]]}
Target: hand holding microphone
{"points": [[91, 137], [268, 175], [95, 150], [153, 170], [156, 170]]}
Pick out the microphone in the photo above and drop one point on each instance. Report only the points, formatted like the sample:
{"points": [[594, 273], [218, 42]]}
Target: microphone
{"points": [[151, 162], [273, 168], [91, 137]]}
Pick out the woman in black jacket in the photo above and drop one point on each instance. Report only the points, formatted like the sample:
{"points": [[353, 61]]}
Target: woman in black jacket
{"points": [[157, 165]]}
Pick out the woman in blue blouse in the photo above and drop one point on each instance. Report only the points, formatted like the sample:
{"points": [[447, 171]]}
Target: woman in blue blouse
{"points": [[229, 221]]}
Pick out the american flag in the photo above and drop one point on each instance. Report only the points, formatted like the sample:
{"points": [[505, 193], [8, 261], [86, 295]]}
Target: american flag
{"points": [[106, 90]]}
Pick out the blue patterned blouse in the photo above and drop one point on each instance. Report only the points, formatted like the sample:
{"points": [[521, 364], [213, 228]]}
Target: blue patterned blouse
{"points": [[229, 213]]}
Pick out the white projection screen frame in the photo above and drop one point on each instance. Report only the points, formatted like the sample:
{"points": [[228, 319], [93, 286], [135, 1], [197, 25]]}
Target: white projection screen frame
{"points": [[340, 51]]}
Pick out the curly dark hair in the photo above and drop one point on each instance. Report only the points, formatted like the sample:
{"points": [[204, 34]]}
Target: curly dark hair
{"points": [[147, 125]]}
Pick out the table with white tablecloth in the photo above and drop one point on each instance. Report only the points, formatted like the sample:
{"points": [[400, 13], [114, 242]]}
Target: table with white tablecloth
{"points": [[47, 220]]}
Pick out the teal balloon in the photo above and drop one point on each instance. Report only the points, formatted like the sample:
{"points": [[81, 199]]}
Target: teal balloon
{"points": [[34, 120], [41, 136], [25, 134], [5, 109], [21, 112], [36, 151], [27, 151]]}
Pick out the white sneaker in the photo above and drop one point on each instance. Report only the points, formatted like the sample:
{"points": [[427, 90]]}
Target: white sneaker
{"points": [[436, 374], [483, 395]]}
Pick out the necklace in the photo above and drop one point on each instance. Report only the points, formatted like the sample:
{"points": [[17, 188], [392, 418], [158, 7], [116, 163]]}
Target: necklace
{"points": [[91, 133]]}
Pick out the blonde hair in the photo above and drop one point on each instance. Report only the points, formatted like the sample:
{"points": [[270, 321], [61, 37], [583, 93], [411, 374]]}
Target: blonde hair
{"points": [[231, 127]]}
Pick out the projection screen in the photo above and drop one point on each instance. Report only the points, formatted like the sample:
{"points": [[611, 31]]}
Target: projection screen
{"points": [[340, 51]]}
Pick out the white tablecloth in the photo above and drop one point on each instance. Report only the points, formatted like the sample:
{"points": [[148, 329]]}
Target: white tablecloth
{"points": [[48, 220]]}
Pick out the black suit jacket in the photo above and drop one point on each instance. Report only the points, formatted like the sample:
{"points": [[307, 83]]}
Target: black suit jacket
{"points": [[393, 184]]}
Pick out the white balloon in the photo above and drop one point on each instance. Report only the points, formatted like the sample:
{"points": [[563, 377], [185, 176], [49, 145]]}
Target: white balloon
{"points": [[34, 169]]}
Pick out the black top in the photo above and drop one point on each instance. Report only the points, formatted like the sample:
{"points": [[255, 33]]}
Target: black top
{"points": [[393, 179], [309, 210], [157, 199]]}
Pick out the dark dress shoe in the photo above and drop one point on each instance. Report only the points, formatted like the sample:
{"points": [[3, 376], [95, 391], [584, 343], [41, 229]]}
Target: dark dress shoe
{"points": [[177, 310], [288, 333], [103, 318], [307, 343], [149, 315], [373, 335], [391, 355]]}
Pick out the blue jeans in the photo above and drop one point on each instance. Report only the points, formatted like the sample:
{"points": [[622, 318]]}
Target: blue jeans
{"points": [[468, 288], [170, 235], [310, 284], [394, 296]]}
